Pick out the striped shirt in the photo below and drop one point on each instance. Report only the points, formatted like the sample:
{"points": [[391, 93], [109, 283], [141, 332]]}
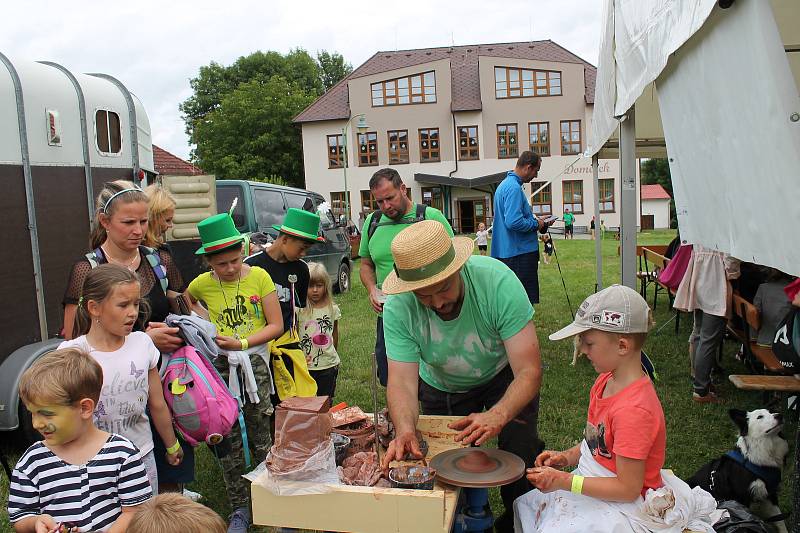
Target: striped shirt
{"points": [[89, 496]]}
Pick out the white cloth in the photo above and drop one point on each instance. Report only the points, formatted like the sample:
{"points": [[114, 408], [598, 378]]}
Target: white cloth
{"points": [[239, 361], [705, 284], [126, 388], [670, 509]]}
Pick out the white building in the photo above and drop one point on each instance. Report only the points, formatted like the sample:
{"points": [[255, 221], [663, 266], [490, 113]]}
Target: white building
{"points": [[654, 207], [452, 121]]}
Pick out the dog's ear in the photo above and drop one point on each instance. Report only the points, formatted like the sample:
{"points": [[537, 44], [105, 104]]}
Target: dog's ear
{"points": [[739, 418]]}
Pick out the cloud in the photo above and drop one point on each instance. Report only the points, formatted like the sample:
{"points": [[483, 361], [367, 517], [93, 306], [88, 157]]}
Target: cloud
{"points": [[155, 48]]}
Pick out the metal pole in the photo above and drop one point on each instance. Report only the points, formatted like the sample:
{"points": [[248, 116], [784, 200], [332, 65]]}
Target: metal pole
{"points": [[346, 156], [598, 246], [628, 222]]}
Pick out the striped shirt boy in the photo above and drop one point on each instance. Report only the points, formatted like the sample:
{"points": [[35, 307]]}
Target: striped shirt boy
{"points": [[88, 496]]}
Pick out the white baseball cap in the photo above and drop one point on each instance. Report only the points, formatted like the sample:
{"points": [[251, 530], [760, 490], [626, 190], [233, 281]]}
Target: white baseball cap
{"points": [[616, 309]]}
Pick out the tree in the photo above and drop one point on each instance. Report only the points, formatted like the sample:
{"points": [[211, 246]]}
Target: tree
{"points": [[333, 68], [250, 134], [239, 117]]}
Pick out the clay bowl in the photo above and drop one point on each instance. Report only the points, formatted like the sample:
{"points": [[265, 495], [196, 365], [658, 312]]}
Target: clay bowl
{"points": [[412, 477], [340, 445]]}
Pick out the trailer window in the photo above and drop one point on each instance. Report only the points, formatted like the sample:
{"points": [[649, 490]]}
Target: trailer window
{"points": [[107, 127]]}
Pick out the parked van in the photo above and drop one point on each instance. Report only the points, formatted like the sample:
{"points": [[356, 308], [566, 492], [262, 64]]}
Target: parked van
{"points": [[261, 205]]}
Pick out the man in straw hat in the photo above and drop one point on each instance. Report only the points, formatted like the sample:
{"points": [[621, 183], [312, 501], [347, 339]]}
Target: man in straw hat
{"points": [[396, 212], [460, 341]]}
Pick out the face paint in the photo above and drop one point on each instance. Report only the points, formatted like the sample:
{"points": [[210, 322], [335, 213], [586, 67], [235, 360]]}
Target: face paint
{"points": [[58, 424]]}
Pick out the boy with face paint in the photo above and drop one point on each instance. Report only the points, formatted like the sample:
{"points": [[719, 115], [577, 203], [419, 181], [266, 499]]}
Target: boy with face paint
{"points": [[61, 390]]}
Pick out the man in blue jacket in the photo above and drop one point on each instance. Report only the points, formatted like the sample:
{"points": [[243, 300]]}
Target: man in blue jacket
{"points": [[514, 240]]}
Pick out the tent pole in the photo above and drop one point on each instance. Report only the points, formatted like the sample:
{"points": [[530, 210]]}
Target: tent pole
{"points": [[598, 248], [628, 222]]}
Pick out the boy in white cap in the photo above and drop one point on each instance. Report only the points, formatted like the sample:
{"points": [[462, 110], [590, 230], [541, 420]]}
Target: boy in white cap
{"points": [[622, 452]]}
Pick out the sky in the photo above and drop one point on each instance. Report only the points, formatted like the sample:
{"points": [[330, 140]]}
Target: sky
{"points": [[155, 48]]}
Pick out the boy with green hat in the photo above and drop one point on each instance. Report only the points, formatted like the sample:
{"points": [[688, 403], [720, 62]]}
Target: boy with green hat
{"points": [[283, 261], [243, 304]]}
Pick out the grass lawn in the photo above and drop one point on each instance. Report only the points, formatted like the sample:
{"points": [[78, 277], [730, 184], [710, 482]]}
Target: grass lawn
{"points": [[695, 433]]}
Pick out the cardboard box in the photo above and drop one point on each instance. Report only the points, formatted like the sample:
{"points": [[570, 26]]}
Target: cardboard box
{"points": [[369, 509]]}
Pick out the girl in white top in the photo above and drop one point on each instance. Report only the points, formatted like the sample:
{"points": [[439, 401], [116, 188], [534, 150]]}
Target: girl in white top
{"points": [[107, 313], [319, 331], [482, 238]]}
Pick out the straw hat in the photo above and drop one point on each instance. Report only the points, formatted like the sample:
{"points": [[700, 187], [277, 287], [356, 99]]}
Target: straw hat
{"points": [[425, 254]]}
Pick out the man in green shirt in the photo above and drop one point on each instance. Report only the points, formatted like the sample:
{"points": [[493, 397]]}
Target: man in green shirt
{"points": [[396, 212], [569, 220], [460, 341]]}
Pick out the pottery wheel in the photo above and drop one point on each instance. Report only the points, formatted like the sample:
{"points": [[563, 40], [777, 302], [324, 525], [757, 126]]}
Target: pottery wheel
{"points": [[477, 467]]}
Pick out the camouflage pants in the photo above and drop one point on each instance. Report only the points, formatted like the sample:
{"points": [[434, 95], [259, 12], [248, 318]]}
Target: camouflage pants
{"points": [[257, 419]]}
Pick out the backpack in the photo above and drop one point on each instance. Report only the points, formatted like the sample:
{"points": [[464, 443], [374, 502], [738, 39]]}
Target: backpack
{"points": [[375, 221], [151, 254], [787, 341], [203, 408]]}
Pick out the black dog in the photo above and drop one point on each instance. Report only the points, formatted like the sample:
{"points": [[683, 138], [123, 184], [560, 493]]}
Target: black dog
{"points": [[751, 472]]}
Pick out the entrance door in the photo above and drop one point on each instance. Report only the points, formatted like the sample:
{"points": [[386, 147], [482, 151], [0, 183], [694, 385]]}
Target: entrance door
{"points": [[466, 216], [648, 222]]}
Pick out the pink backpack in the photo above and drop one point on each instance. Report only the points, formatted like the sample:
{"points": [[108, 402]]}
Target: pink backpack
{"points": [[202, 406]]}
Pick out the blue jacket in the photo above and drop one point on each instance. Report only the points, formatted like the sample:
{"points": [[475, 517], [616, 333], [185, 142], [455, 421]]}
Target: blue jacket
{"points": [[515, 227]]}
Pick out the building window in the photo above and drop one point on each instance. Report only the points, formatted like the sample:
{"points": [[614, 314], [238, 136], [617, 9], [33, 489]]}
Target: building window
{"points": [[506, 140], [512, 82], [542, 202], [335, 151], [429, 145], [368, 202], [338, 204], [368, 148], [398, 147], [539, 138], [432, 196], [572, 195], [107, 129], [570, 137], [467, 142], [416, 89], [607, 195]]}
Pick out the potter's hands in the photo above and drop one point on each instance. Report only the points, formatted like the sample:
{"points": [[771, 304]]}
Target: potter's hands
{"points": [[403, 445], [477, 428], [548, 479]]}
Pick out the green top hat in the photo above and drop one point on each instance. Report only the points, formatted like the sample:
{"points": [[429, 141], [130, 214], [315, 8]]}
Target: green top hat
{"points": [[217, 232], [302, 224]]}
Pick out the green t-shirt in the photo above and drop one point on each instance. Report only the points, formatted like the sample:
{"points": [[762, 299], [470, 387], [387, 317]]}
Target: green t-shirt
{"points": [[460, 354], [569, 218], [378, 248], [234, 312]]}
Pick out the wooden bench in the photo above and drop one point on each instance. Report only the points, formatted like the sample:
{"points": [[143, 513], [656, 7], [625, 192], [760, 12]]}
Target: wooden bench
{"points": [[752, 319], [766, 383], [657, 263]]}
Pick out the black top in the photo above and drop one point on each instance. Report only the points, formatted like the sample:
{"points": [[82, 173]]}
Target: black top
{"points": [[280, 272], [151, 288]]}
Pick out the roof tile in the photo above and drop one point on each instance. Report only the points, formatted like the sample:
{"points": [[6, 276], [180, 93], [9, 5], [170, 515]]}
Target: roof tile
{"points": [[172, 165]]}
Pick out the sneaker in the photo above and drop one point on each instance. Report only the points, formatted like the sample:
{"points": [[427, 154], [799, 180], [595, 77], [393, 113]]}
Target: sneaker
{"points": [[709, 397], [194, 496], [239, 520]]}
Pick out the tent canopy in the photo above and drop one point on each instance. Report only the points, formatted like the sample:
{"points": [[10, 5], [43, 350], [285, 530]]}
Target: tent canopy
{"points": [[725, 113]]}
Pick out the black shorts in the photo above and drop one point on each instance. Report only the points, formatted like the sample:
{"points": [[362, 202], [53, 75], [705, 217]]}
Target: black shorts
{"points": [[568, 230], [483, 247]]}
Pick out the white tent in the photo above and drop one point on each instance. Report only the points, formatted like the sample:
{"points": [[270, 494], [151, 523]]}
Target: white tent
{"points": [[726, 113]]}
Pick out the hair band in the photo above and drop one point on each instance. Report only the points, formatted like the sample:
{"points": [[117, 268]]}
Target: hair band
{"points": [[123, 191]]}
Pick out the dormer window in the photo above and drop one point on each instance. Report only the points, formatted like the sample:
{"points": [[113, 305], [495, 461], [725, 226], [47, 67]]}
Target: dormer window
{"points": [[415, 89]]}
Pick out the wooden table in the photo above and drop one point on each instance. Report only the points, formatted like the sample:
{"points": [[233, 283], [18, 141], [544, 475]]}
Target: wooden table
{"points": [[369, 509], [778, 384]]}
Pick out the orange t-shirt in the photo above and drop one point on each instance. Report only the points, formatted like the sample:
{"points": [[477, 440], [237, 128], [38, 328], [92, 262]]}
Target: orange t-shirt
{"points": [[631, 424]]}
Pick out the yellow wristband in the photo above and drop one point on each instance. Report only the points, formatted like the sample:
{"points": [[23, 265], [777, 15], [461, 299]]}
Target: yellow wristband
{"points": [[245, 344], [577, 484], [172, 450]]}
